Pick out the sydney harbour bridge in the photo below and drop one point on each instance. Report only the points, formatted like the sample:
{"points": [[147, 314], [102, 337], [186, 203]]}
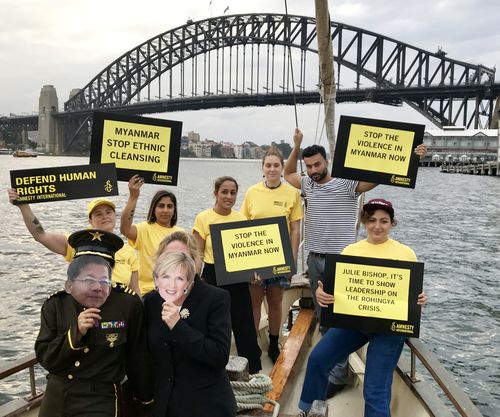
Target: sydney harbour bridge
{"points": [[264, 60]]}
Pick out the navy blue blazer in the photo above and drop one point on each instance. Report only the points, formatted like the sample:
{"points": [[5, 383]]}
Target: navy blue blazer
{"points": [[189, 361]]}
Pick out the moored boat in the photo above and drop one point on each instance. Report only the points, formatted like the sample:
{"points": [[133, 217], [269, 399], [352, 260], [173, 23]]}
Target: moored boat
{"points": [[19, 153]]}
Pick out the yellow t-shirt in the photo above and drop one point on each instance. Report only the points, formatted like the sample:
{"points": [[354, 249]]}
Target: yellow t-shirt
{"points": [[149, 236], [202, 226], [261, 202], [390, 249], [126, 262]]}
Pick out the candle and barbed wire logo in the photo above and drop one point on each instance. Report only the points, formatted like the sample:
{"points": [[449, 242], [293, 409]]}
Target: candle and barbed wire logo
{"points": [[108, 187]]}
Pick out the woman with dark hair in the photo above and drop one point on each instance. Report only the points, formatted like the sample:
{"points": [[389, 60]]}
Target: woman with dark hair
{"points": [[336, 344], [146, 236], [272, 198], [245, 336]]}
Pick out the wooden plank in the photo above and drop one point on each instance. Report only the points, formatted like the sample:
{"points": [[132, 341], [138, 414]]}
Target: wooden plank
{"points": [[292, 354]]}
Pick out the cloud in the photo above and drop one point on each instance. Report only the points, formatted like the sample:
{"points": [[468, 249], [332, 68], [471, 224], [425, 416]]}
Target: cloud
{"points": [[66, 43]]}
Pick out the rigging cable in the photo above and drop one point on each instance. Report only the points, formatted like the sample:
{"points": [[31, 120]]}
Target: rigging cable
{"points": [[291, 67], [290, 62]]}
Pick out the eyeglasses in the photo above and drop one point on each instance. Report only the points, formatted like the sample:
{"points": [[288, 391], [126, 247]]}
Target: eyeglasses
{"points": [[90, 282]]}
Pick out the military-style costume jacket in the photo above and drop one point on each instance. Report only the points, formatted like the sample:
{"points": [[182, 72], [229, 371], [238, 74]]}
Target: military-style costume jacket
{"points": [[85, 372]]}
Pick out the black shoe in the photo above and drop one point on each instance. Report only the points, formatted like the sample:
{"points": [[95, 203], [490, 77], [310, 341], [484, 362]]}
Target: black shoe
{"points": [[274, 351], [333, 389]]}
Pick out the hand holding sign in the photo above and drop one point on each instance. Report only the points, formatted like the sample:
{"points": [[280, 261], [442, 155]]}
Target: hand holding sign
{"points": [[421, 150], [323, 298], [134, 185]]}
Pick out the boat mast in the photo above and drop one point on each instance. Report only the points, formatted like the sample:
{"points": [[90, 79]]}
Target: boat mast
{"points": [[327, 86]]}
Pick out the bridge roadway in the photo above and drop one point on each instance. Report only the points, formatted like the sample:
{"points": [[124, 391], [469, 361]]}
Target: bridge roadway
{"points": [[389, 96]]}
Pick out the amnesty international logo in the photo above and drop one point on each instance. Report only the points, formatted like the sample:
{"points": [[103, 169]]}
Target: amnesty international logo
{"points": [[402, 328], [108, 187], [286, 269], [395, 179], [163, 178]]}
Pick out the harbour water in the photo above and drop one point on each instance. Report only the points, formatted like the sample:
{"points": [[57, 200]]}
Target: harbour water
{"points": [[452, 222]]}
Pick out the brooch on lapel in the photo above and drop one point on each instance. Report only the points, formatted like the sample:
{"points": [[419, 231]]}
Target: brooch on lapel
{"points": [[111, 338], [184, 313]]}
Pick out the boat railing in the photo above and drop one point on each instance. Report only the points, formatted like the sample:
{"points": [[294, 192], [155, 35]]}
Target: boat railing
{"points": [[19, 405], [462, 403]]}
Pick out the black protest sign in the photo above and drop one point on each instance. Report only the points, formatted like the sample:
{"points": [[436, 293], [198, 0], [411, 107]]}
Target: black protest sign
{"points": [[373, 295], [64, 183], [242, 247], [137, 145], [378, 151]]}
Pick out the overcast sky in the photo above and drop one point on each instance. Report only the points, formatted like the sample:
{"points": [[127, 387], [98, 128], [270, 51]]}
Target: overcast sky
{"points": [[66, 43]]}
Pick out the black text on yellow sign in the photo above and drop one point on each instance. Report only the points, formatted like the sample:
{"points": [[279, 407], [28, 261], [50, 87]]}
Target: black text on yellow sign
{"points": [[64, 183], [371, 291], [374, 295], [242, 248], [137, 145], [379, 151]]}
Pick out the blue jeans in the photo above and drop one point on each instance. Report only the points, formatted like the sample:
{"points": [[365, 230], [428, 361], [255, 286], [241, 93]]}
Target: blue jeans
{"points": [[316, 271], [381, 360]]}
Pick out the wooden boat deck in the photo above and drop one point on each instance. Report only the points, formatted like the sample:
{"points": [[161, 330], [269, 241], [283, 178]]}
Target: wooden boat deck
{"points": [[412, 395]]}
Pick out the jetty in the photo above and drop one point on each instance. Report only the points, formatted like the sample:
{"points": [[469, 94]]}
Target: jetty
{"points": [[487, 168]]}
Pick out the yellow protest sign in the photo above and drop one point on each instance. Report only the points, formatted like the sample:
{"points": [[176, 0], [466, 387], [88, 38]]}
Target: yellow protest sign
{"points": [[371, 291], [244, 248], [126, 144], [378, 151], [252, 247], [373, 294], [145, 146], [372, 148]]}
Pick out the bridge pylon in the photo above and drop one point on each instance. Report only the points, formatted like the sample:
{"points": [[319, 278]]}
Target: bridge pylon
{"points": [[48, 137]]}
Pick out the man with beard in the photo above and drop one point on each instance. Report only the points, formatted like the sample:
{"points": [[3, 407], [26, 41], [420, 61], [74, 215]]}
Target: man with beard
{"points": [[329, 220]]}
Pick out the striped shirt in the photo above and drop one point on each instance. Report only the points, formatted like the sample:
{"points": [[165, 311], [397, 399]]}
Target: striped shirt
{"points": [[330, 216]]}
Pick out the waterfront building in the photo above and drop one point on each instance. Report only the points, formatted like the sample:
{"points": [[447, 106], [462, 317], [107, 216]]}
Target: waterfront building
{"points": [[201, 149], [457, 144], [193, 136]]}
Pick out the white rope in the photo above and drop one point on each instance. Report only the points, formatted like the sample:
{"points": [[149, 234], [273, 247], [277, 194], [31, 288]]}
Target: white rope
{"points": [[251, 394]]}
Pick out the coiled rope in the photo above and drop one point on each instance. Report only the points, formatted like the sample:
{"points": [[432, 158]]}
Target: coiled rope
{"points": [[251, 394]]}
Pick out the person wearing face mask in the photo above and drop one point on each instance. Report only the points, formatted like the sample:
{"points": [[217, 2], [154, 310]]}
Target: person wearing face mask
{"points": [[146, 236], [101, 215], [91, 335], [245, 336], [383, 350], [189, 336]]}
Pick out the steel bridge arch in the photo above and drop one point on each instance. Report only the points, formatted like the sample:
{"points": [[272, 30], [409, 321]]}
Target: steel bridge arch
{"points": [[386, 63]]}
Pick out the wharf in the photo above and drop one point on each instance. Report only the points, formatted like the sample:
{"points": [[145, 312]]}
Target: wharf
{"points": [[486, 168]]}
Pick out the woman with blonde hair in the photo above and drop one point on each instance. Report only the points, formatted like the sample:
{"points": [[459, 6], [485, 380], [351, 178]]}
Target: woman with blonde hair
{"points": [[189, 336]]}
